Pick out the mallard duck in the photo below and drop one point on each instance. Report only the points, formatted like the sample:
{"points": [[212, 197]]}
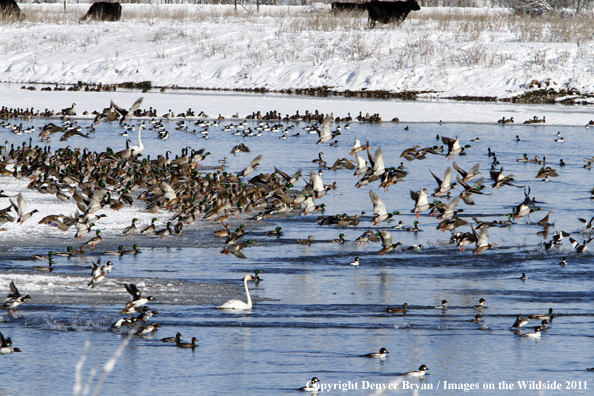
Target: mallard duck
{"points": [[21, 209], [357, 148], [82, 230], [464, 240], [179, 226], [340, 239], [307, 241], [256, 277], [131, 228], [421, 204], [72, 251], [224, 233], [165, 231], [379, 209], [482, 240], [115, 252], [546, 172], [523, 159], [236, 249], [150, 228], [49, 268], [367, 236], [134, 250], [387, 244], [276, 232], [443, 186], [95, 240], [415, 227]]}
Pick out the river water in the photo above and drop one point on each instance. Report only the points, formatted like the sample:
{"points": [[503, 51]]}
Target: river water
{"points": [[314, 314]]}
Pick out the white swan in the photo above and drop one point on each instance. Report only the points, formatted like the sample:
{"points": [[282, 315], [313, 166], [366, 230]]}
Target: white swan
{"points": [[237, 304], [137, 150]]}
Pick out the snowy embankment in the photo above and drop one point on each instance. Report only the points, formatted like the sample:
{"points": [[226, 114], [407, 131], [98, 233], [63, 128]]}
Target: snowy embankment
{"points": [[447, 53]]}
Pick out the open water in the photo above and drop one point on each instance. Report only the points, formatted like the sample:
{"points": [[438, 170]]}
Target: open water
{"points": [[315, 315]]}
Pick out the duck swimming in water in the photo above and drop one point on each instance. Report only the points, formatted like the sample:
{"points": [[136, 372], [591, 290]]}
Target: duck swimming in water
{"points": [[311, 386], [419, 373], [377, 355]]}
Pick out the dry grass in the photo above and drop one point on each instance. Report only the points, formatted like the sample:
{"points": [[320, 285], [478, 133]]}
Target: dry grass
{"points": [[466, 24]]}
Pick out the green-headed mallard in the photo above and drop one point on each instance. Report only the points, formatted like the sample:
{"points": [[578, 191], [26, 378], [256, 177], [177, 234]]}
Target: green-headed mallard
{"points": [[115, 252], [150, 228], [131, 228], [95, 240], [48, 268], [340, 239], [276, 232]]}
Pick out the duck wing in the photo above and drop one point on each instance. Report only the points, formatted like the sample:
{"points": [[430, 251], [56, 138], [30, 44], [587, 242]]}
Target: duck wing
{"points": [[21, 206], [126, 114], [252, 166], [131, 288], [378, 165], [420, 197], [461, 171], [386, 238], [379, 207], [483, 238], [316, 181], [15, 292], [437, 179], [371, 158]]}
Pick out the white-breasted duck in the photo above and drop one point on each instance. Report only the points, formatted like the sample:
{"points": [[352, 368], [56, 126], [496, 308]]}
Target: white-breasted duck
{"points": [[6, 346], [419, 373], [311, 386], [377, 355]]}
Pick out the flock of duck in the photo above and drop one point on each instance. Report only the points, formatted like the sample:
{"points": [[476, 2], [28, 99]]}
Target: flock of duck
{"points": [[182, 187]]}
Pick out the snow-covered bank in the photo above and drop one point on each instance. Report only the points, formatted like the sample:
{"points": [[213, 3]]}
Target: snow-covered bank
{"points": [[485, 53]]}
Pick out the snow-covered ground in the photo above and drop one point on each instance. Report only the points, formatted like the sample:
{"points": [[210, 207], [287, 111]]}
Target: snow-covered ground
{"points": [[446, 52]]}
